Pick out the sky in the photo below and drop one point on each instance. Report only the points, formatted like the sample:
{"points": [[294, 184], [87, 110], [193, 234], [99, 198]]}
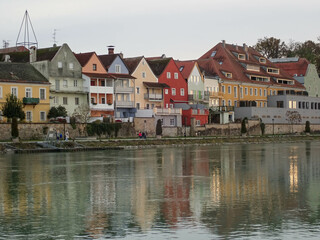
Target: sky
{"points": [[181, 29]]}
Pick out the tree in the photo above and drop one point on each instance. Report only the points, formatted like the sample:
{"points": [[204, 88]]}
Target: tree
{"points": [[307, 129], [293, 117], [271, 47], [82, 113], [13, 108], [159, 128], [59, 111], [243, 126]]}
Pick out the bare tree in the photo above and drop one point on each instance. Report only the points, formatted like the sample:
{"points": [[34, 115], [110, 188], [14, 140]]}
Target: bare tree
{"points": [[82, 113], [293, 117]]}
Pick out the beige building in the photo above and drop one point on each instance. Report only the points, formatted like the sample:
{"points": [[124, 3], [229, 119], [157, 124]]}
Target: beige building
{"points": [[148, 92]]}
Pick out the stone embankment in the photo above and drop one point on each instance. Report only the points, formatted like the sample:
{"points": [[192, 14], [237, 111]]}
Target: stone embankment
{"points": [[119, 144]]}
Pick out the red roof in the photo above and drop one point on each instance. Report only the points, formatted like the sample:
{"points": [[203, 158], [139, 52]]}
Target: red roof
{"points": [[225, 60], [295, 68], [14, 49], [185, 67], [83, 58]]}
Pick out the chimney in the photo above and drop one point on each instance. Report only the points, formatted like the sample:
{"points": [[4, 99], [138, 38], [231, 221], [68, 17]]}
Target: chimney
{"points": [[121, 55], [110, 50], [33, 54], [245, 47], [223, 43], [7, 58]]}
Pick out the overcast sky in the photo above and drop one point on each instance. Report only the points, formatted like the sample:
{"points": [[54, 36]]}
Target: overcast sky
{"points": [[181, 29]]}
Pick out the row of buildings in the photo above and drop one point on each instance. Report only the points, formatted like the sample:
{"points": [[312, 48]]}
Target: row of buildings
{"points": [[225, 83]]}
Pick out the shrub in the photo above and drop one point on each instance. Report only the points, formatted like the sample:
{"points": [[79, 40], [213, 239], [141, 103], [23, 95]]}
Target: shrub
{"points": [[262, 127], [308, 130], [159, 128], [243, 126]]}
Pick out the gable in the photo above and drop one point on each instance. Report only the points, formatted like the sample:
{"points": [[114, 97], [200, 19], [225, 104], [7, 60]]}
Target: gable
{"points": [[89, 66], [118, 62]]}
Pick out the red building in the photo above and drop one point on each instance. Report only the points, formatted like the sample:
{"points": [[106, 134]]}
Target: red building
{"points": [[197, 111], [168, 72]]}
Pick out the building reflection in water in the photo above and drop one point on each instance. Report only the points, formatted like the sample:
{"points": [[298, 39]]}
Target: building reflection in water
{"points": [[226, 188]]}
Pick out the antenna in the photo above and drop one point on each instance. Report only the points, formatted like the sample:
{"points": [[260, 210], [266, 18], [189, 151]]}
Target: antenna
{"points": [[26, 42], [6, 43], [54, 35]]}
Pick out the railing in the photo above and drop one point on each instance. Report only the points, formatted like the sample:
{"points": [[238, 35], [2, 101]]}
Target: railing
{"points": [[192, 97], [30, 101], [153, 96], [167, 111], [215, 94], [99, 106], [124, 104], [223, 108], [120, 89], [100, 89], [69, 89]]}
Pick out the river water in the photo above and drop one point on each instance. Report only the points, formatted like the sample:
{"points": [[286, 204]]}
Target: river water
{"points": [[242, 191]]}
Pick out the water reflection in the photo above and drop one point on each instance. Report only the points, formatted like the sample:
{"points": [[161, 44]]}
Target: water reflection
{"points": [[230, 191]]}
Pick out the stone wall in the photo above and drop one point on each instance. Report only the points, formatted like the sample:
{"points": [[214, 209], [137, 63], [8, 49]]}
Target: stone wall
{"points": [[147, 125]]}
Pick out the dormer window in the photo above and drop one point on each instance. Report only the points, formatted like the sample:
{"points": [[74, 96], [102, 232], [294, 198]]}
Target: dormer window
{"points": [[181, 68], [285, 81], [273, 70], [228, 75], [262, 60], [259, 78], [253, 68], [241, 56], [213, 53]]}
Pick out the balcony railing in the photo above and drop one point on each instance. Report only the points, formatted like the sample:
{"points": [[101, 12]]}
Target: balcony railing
{"points": [[192, 97], [167, 111], [153, 97], [124, 104], [30, 101], [98, 106], [223, 108], [215, 94], [101, 89], [120, 89]]}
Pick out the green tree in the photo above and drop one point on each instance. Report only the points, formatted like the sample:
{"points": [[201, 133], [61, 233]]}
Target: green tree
{"points": [[59, 111], [271, 47], [12, 108]]}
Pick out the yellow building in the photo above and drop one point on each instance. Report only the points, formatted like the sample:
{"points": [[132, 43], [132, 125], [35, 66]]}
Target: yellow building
{"points": [[30, 86], [246, 78]]}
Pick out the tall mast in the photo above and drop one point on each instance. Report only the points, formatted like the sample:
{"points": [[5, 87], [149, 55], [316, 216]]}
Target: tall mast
{"points": [[24, 38]]}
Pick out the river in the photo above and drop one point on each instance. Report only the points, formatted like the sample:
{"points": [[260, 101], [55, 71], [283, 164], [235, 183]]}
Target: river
{"points": [[234, 191]]}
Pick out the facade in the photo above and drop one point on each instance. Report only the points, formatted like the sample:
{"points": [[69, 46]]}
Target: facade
{"points": [[191, 72], [197, 111], [99, 83], [168, 73], [280, 105], [124, 85], [30, 86], [245, 77], [60, 66], [148, 92], [303, 71]]}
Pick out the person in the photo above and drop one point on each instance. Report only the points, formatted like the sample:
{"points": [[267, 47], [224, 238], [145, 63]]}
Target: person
{"points": [[140, 135], [57, 134], [144, 135], [67, 135]]}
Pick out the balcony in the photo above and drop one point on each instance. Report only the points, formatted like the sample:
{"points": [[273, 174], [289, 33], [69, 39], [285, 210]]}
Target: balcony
{"points": [[121, 89], [153, 96], [215, 94], [30, 101], [102, 107], [69, 89], [168, 111], [223, 108], [124, 104], [101, 89]]}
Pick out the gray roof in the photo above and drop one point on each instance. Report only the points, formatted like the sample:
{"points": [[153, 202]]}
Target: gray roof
{"points": [[198, 106], [184, 106], [20, 72]]}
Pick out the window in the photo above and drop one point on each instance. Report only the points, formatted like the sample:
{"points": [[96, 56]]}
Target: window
{"points": [[167, 105], [175, 75], [65, 101], [137, 105], [103, 101], [28, 92], [171, 121], [173, 91], [59, 64], [42, 93], [235, 103], [171, 105], [76, 101], [166, 91], [274, 92], [75, 83], [148, 106], [42, 116], [29, 116], [65, 83], [260, 91], [228, 75], [280, 104], [265, 92], [223, 102], [93, 100], [241, 92], [241, 56], [94, 67], [223, 89], [71, 66], [143, 74], [229, 89], [56, 100], [0, 92], [229, 102], [198, 123], [57, 85], [256, 92], [14, 91], [118, 68], [273, 70], [262, 60], [235, 92], [254, 68], [293, 104], [182, 91], [251, 92], [259, 79], [138, 90], [270, 92], [168, 75], [246, 91]]}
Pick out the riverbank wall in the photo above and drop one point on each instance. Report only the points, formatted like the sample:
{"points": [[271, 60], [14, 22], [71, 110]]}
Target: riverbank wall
{"points": [[38, 131]]}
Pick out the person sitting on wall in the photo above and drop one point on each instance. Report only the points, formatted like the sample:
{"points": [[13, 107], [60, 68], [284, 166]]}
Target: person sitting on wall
{"points": [[144, 135], [140, 135]]}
